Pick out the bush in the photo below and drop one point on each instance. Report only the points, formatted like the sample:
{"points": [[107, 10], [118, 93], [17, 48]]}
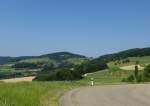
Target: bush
{"points": [[146, 74], [129, 79]]}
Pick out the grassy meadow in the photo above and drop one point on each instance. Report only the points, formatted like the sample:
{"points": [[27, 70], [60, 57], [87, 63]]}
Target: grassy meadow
{"points": [[33, 93]]}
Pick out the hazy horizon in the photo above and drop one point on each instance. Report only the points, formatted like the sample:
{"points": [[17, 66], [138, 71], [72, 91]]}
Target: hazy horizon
{"points": [[87, 27]]}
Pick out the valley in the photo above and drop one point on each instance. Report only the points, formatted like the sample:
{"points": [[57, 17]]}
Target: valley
{"points": [[31, 77]]}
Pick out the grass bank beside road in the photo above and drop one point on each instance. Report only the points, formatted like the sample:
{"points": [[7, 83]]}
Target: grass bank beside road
{"points": [[34, 93]]}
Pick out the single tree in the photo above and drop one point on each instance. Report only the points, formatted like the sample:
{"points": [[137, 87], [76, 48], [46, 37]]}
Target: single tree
{"points": [[136, 71]]}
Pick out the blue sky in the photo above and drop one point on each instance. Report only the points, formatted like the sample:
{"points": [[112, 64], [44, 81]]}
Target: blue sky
{"points": [[88, 27]]}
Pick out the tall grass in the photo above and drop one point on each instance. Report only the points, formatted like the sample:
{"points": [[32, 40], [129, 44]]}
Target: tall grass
{"points": [[33, 94]]}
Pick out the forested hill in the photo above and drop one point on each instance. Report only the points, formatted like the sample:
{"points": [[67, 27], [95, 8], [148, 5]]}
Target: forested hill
{"points": [[62, 55], [137, 52], [59, 56]]}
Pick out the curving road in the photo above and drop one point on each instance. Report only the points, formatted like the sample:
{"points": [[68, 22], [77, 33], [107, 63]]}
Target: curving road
{"points": [[108, 95]]}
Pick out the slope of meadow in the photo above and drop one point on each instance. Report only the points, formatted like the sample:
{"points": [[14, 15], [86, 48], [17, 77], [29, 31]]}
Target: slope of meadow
{"points": [[34, 93]]}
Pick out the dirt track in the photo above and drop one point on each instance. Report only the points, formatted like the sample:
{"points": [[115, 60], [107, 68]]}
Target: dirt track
{"points": [[109, 95]]}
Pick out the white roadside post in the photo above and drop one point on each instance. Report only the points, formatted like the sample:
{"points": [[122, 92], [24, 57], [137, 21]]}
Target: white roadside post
{"points": [[92, 81]]}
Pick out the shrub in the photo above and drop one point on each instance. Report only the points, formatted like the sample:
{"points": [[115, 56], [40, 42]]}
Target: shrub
{"points": [[146, 74], [129, 79]]}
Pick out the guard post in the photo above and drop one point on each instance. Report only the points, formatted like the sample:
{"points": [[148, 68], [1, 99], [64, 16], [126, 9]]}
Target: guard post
{"points": [[92, 81]]}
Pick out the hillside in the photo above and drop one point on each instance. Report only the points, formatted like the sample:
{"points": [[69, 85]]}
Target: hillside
{"points": [[137, 52], [49, 93], [62, 55], [31, 65], [50, 63], [54, 56]]}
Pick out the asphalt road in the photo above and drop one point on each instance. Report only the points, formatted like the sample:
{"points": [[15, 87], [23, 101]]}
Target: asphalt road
{"points": [[108, 95]]}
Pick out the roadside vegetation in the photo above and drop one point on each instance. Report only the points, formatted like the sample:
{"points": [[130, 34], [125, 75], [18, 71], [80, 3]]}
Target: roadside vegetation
{"points": [[34, 93]]}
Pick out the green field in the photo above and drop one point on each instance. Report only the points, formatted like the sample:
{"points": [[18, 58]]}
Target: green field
{"points": [[143, 61]]}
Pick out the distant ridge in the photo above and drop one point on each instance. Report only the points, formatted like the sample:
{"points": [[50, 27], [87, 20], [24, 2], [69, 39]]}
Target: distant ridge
{"points": [[63, 55], [4, 60], [54, 56], [137, 52]]}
